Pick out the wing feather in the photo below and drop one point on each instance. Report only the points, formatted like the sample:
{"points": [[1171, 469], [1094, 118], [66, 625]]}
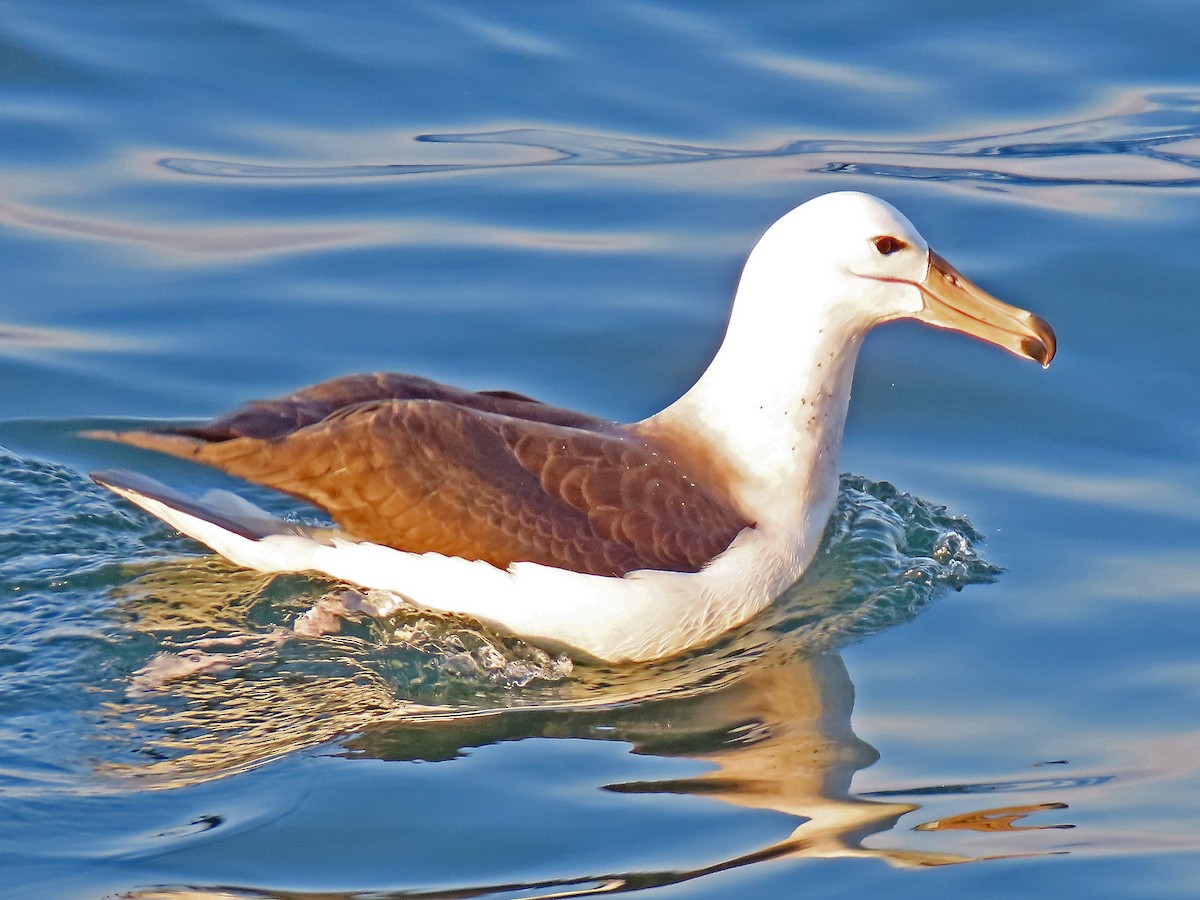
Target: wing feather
{"points": [[497, 477]]}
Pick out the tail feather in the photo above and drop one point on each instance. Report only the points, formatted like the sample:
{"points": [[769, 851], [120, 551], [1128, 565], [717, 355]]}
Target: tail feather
{"points": [[227, 512], [179, 445]]}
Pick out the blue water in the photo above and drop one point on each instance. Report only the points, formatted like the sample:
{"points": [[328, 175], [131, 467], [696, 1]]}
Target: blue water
{"points": [[203, 203]]}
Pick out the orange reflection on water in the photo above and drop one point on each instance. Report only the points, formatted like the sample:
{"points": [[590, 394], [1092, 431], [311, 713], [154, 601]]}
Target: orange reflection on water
{"points": [[1003, 818]]}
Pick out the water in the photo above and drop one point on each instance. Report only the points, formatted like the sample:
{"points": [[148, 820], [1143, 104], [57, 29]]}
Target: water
{"points": [[203, 203]]}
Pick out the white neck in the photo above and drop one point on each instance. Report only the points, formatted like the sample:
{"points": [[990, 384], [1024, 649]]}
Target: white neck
{"points": [[771, 407]]}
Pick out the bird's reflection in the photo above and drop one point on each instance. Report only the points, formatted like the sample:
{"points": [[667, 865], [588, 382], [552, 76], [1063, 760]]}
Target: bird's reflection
{"points": [[775, 726], [778, 736]]}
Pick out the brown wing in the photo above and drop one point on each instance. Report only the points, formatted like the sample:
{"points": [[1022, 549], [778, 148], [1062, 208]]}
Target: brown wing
{"points": [[429, 475], [279, 416]]}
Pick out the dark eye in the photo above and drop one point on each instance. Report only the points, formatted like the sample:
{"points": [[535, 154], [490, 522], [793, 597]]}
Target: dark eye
{"points": [[888, 245]]}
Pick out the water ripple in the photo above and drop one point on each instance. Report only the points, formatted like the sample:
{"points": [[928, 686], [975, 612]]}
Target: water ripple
{"points": [[1148, 145], [1027, 784]]}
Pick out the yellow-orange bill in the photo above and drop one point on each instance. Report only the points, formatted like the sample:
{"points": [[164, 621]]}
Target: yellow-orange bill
{"points": [[951, 301]]}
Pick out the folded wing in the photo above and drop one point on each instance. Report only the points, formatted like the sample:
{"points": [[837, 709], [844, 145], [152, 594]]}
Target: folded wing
{"points": [[490, 476]]}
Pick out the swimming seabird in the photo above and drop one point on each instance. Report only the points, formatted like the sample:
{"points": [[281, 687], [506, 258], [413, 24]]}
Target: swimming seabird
{"points": [[620, 541]]}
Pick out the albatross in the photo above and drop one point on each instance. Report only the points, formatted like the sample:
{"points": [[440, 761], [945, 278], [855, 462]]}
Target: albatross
{"points": [[622, 542]]}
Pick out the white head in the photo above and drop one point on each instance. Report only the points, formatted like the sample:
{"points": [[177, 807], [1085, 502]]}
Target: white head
{"points": [[844, 262], [772, 404], [767, 415]]}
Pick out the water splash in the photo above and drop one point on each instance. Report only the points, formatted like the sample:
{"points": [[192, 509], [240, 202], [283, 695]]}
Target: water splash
{"points": [[885, 555], [1149, 145]]}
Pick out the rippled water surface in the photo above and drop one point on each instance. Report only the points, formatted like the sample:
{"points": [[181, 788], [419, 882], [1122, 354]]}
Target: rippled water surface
{"points": [[991, 673]]}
